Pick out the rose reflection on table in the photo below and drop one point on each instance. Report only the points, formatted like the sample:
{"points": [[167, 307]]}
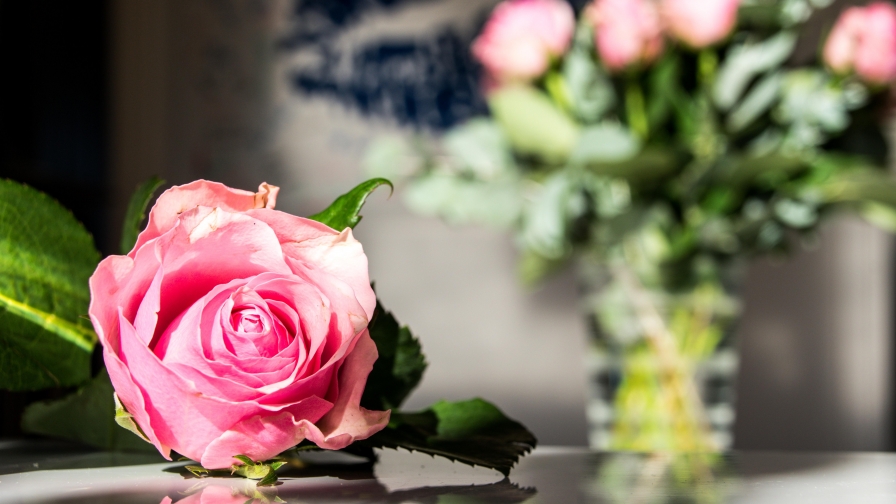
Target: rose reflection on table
{"points": [[357, 482]]}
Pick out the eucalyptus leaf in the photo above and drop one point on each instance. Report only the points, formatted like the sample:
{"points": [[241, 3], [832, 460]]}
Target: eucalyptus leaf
{"points": [[811, 101], [546, 217], [472, 432], [758, 101], [345, 211], [532, 123], [796, 214], [391, 157], [605, 143], [136, 212], [480, 148], [46, 257], [745, 62], [590, 91], [87, 416], [400, 364], [459, 200]]}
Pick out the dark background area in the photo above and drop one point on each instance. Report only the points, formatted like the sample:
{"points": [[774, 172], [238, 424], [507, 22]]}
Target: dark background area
{"points": [[53, 120]]}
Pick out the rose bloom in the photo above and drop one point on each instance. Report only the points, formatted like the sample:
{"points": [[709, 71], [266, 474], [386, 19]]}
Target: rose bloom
{"points": [[235, 329], [626, 32], [522, 36], [864, 41], [699, 23]]}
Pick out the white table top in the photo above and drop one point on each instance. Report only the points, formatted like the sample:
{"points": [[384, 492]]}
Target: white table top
{"points": [[51, 472]]}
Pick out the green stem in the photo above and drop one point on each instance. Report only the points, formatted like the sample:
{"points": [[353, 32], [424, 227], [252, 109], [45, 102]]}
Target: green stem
{"points": [[707, 65], [635, 109]]}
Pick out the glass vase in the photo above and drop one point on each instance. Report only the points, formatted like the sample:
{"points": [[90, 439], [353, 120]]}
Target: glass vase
{"points": [[662, 358]]}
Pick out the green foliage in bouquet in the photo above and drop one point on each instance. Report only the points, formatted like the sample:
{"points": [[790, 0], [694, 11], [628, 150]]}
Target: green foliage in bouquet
{"points": [[717, 152]]}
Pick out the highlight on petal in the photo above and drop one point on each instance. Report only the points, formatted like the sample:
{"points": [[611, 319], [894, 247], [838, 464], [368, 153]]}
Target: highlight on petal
{"points": [[179, 199]]}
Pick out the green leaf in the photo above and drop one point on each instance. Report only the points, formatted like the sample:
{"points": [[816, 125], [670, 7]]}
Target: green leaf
{"points": [[400, 364], [605, 143], [533, 267], [197, 470], [88, 416], [459, 200], [533, 124], [46, 257], [745, 62], [244, 459], [758, 101], [265, 472], [588, 87], [480, 148], [345, 211], [472, 432], [125, 420], [137, 212], [650, 167]]}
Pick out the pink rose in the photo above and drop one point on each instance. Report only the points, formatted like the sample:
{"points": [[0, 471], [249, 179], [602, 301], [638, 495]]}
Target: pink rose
{"points": [[699, 23], [232, 328], [626, 32], [864, 41], [522, 36]]}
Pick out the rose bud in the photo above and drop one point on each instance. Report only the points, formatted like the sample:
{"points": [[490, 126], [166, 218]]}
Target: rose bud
{"points": [[863, 41], [522, 36], [699, 23], [234, 329], [626, 32]]}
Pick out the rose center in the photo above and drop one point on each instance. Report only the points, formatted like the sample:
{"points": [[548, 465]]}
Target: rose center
{"points": [[249, 321]]}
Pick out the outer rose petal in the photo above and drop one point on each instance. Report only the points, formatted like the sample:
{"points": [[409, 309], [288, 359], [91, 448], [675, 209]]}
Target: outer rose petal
{"points": [[347, 416], [179, 199]]}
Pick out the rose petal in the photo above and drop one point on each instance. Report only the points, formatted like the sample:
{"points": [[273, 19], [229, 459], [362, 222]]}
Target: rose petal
{"points": [[348, 421], [337, 253], [180, 199], [262, 437], [181, 417]]}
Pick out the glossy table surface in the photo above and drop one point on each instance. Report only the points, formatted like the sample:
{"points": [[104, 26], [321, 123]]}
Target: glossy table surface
{"points": [[51, 472]]}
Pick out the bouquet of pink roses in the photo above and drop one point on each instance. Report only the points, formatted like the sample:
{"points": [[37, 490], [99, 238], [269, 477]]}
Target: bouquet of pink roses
{"points": [[662, 144]]}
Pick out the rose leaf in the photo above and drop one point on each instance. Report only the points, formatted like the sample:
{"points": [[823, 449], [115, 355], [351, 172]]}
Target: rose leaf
{"points": [[345, 211], [473, 432], [400, 364], [46, 257], [90, 416], [136, 212]]}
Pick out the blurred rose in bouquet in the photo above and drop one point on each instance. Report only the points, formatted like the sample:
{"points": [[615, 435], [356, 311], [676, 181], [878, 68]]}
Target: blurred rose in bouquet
{"points": [[699, 23], [627, 32], [522, 38], [864, 41]]}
